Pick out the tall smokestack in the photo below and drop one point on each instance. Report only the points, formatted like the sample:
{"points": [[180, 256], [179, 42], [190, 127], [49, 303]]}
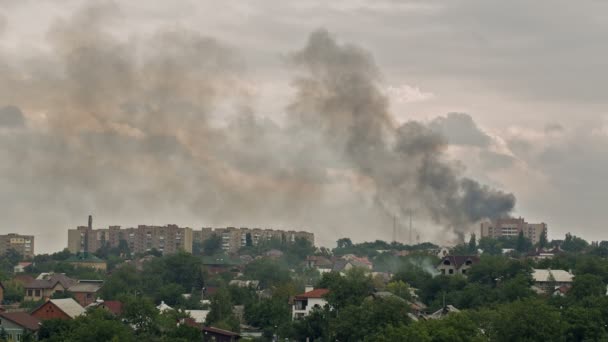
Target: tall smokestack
{"points": [[90, 222]]}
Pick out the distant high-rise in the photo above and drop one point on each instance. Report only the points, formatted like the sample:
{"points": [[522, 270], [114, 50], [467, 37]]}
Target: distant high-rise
{"points": [[166, 239], [22, 244], [234, 238], [510, 227]]}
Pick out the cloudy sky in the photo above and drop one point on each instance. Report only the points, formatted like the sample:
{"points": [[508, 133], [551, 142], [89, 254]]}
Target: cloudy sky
{"points": [[517, 88]]}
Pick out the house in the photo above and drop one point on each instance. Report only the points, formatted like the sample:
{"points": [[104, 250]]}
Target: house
{"points": [[547, 280], [304, 303], [350, 261], [46, 285], [112, 306], [320, 263], [87, 260], [85, 291], [17, 324], [162, 307], [199, 316], [21, 266], [219, 335], [221, 263], [540, 253], [254, 284], [66, 308], [441, 313], [457, 264]]}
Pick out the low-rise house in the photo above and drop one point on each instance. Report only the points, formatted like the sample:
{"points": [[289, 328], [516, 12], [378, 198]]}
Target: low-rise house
{"points": [[540, 253], [304, 303], [199, 316], [66, 308], [219, 335], [547, 280], [20, 267], [85, 291], [46, 285], [221, 263], [441, 313], [18, 324], [254, 284], [320, 263], [89, 261], [112, 306], [163, 307], [457, 264]]}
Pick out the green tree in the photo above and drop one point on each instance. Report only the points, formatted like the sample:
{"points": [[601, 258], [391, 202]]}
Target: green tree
{"points": [[399, 288], [347, 290], [344, 243], [141, 313], [213, 245], [543, 242], [268, 272], [527, 320], [587, 285], [473, 245], [523, 244], [574, 244], [221, 314]]}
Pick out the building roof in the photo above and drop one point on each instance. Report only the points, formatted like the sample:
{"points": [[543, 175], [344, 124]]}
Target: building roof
{"points": [[316, 293], [221, 260], [459, 260], [50, 280], [89, 286], [220, 332], [67, 305], [113, 306], [162, 307], [560, 276], [22, 319], [446, 310], [23, 279], [199, 316]]}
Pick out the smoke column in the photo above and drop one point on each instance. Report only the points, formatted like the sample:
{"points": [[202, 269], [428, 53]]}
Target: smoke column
{"points": [[160, 128]]}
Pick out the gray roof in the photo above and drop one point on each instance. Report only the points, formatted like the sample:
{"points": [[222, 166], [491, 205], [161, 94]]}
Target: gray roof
{"points": [[86, 286], [560, 276], [49, 281], [69, 306]]}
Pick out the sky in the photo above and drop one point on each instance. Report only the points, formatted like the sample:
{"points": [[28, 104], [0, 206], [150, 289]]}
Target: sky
{"points": [[156, 112]]}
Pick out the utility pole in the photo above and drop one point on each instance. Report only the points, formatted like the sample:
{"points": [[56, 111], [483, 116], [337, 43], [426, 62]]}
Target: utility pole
{"points": [[394, 228], [411, 241]]}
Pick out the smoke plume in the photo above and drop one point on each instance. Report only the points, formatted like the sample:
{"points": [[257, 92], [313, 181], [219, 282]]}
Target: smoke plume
{"points": [[162, 128]]}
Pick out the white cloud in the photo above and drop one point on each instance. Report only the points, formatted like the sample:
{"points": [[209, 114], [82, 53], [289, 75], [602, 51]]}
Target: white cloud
{"points": [[408, 94]]}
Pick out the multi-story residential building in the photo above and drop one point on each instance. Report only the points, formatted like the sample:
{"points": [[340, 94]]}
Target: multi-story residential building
{"points": [[166, 239], [23, 244], [510, 227], [234, 238]]}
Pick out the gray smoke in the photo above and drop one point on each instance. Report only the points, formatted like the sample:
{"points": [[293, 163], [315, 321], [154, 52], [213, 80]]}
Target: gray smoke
{"points": [[339, 95], [161, 128]]}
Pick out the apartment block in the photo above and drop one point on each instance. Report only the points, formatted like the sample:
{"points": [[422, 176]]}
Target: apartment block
{"points": [[510, 227], [167, 239], [234, 238], [23, 244]]}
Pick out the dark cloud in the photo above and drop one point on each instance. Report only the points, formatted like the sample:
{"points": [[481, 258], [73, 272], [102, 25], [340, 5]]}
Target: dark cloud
{"points": [[460, 129], [11, 116]]}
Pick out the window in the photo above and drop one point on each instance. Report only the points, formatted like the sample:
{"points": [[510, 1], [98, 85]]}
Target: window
{"points": [[37, 293], [446, 262], [442, 271], [30, 292], [464, 271], [451, 271]]}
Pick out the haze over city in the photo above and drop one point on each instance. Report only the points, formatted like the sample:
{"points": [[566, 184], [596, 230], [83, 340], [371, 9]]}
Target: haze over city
{"points": [[339, 119]]}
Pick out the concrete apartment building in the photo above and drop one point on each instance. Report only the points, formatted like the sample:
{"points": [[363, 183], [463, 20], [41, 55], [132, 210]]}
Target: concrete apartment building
{"points": [[166, 239], [23, 244], [234, 238], [510, 227]]}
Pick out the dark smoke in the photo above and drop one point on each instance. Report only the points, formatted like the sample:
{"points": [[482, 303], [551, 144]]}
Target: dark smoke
{"points": [[161, 128], [339, 95]]}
